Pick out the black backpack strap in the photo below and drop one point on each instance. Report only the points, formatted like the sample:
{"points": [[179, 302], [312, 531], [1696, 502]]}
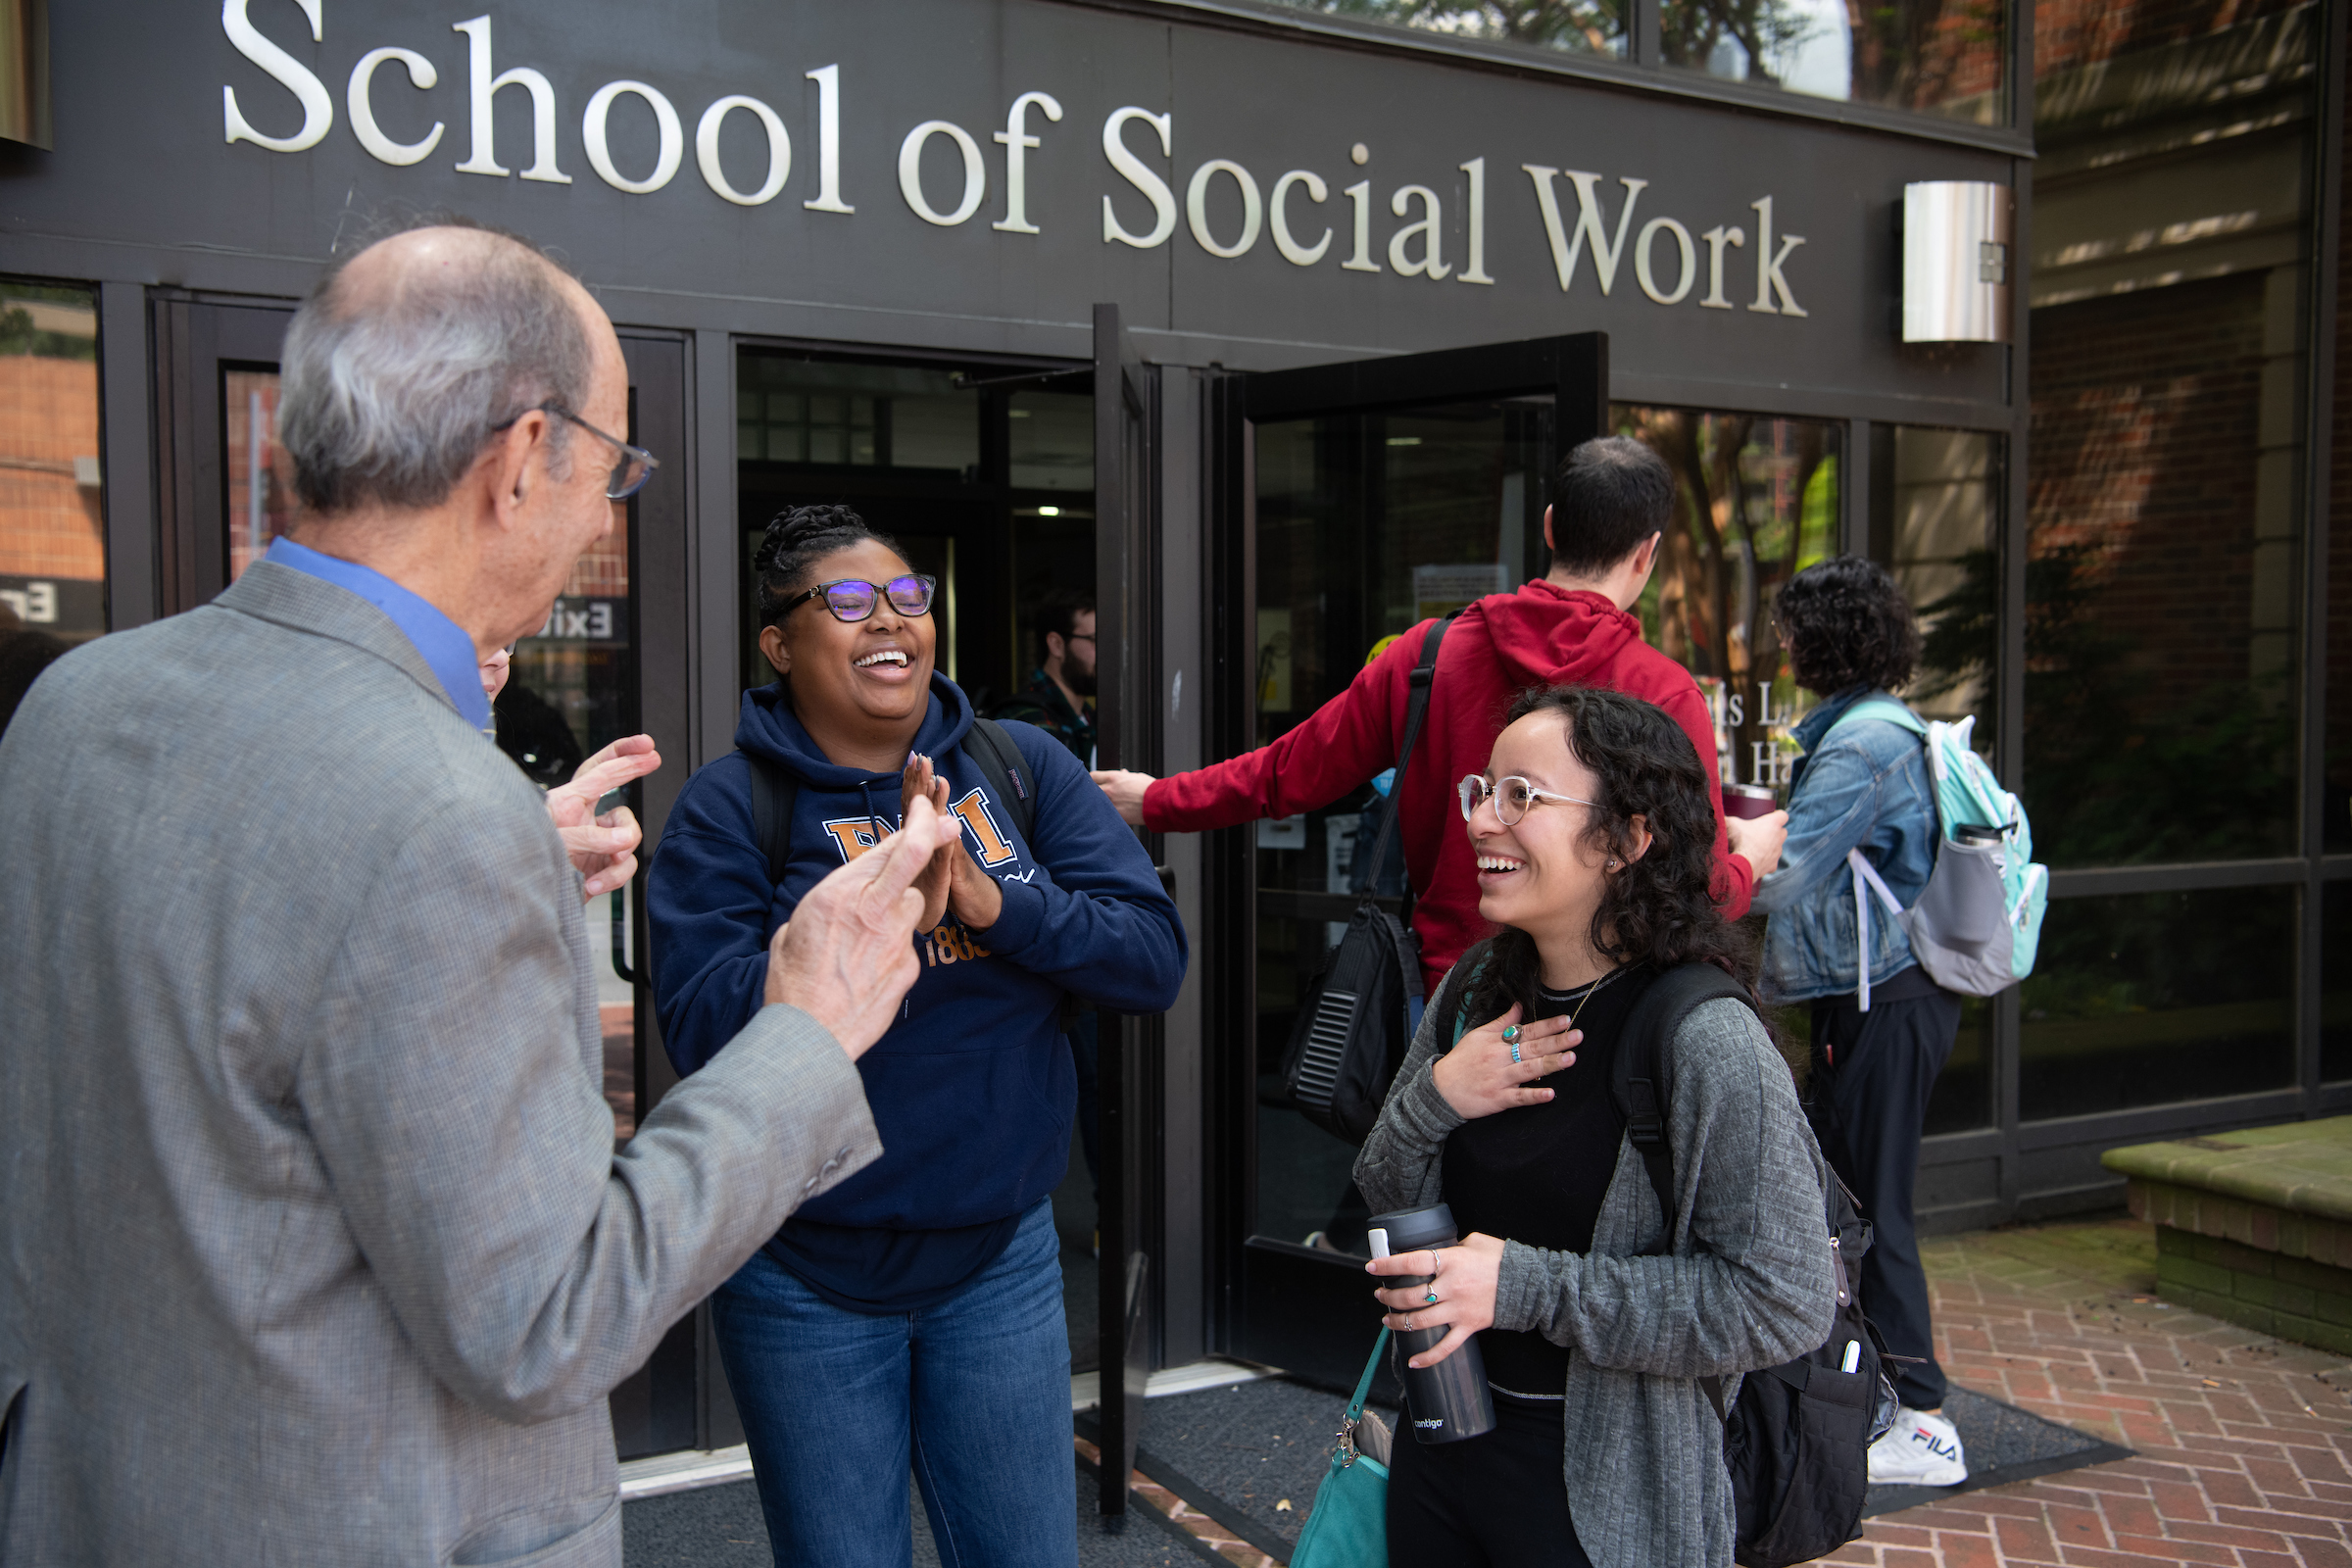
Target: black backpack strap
{"points": [[1004, 761], [1636, 1081], [1416, 710], [773, 792]]}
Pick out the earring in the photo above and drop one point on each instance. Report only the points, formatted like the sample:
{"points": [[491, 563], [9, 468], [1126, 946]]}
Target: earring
{"points": [[1614, 865]]}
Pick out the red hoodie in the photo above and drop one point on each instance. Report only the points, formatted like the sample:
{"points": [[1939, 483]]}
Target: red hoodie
{"points": [[1542, 635]]}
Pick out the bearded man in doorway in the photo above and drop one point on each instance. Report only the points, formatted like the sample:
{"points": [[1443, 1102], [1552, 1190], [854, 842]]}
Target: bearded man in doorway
{"points": [[318, 1246], [1612, 501]]}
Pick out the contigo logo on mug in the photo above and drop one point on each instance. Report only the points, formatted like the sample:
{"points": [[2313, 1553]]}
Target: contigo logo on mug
{"points": [[1591, 234]]}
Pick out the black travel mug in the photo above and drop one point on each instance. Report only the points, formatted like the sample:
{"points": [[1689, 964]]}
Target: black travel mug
{"points": [[1449, 1402]]}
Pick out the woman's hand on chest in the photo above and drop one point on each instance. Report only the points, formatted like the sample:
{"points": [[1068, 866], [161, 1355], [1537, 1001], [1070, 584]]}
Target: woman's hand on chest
{"points": [[1480, 1076]]}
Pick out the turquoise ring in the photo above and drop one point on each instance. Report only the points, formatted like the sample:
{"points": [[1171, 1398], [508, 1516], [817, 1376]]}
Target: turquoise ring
{"points": [[1510, 1034], [1431, 1300]]}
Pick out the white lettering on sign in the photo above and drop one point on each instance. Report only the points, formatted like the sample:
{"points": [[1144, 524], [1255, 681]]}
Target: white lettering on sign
{"points": [[779, 151], [35, 603], [421, 75], [1018, 141], [318, 109], [1663, 249], [1133, 170], [910, 173], [581, 620]]}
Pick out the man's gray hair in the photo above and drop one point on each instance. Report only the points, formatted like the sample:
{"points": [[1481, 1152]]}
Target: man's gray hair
{"points": [[390, 388]]}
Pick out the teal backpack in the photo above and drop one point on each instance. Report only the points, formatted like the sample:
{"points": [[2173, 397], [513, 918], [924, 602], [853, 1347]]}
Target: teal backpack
{"points": [[1974, 927]]}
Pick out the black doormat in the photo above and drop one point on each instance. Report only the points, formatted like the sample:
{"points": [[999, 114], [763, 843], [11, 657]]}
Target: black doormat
{"points": [[721, 1526], [1250, 1455], [2003, 1444]]}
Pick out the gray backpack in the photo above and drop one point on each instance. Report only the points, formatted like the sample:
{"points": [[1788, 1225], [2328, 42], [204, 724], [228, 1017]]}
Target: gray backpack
{"points": [[1976, 925]]}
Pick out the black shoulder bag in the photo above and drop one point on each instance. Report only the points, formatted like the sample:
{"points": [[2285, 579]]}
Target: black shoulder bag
{"points": [[1356, 1021], [1796, 1439]]}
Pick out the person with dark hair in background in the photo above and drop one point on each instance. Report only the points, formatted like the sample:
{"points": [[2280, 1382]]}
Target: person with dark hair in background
{"points": [[1591, 826], [1059, 699], [1612, 500], [914, 1315], [1863, 784]]}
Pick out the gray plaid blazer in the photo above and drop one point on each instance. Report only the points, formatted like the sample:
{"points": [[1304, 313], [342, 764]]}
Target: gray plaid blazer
{"points": [[314, 1246]]}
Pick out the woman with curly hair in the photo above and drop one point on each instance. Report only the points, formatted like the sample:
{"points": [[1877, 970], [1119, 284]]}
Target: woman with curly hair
{"points": [[1863, 784], [1592, 829]]}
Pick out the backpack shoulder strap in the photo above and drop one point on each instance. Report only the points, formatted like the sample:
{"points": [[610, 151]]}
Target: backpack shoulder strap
{"points": [[1636, 1080], [773, 792], [1416, 710], [1003, 759], [1885, 708]]}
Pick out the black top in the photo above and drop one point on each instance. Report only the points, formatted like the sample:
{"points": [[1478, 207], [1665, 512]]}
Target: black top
{"points": [[1536, 1174]]}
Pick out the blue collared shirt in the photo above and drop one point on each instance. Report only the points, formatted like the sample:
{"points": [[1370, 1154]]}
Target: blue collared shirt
{"points": [[444, 645]]}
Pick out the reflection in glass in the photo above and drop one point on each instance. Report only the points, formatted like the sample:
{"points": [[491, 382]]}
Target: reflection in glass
{"points": [[52, 528], [1941, 57], [1051, 436], [1367, 525], [571, 692], [1757, 503], [792, 409], [1585, 26], [261, 477], [1933, 521], [2167, 281], [2148, 999]]}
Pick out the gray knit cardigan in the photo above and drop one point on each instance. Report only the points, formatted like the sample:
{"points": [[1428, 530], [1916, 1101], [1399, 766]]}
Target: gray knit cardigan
{"points": [[1747, 1282]]}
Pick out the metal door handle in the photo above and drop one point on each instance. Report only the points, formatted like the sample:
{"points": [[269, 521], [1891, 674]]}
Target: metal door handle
{"points": [[620, 935]]}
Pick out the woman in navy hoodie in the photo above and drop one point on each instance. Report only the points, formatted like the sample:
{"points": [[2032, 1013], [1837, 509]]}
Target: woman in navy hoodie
{"points": [[910, 1316]]}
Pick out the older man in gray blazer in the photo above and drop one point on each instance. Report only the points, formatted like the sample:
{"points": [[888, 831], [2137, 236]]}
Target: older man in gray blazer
{"points": [[315, 1249]]}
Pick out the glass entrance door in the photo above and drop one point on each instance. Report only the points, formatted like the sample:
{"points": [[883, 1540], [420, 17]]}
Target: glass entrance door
{"points": [[610, 660], [1371, 496]]}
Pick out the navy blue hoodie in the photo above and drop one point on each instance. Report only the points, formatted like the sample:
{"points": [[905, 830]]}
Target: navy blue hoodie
{"points": [[972, 1089]]}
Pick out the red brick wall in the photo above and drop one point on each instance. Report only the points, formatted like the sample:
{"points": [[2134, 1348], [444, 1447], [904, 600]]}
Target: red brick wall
{"points": [[2142, 446], [2076, 32], [49, 525]]}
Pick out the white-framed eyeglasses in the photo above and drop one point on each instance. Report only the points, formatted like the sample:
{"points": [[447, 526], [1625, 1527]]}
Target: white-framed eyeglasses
{"points": [[1512, 798]]}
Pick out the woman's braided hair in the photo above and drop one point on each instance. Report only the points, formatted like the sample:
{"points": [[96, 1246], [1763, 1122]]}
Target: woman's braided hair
{"points": [[797, 540], [1659, 908]]}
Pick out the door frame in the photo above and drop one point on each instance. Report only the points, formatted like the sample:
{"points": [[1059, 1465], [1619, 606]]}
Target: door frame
{"points": [[1272, 1300]]}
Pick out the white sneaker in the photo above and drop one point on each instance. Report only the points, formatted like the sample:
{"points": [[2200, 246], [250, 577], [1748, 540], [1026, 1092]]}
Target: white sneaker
{"points": [[1918, 1451]]}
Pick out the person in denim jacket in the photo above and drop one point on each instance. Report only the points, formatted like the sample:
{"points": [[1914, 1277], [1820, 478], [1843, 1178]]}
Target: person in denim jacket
{"points": [[1865, 786]]}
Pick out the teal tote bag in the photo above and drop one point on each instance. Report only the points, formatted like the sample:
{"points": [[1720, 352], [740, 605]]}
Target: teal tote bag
{"points": [[1350, 1525]]}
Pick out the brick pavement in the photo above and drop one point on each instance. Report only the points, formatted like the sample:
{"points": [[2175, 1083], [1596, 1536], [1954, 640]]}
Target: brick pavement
{"points": [[2242, 1441]]}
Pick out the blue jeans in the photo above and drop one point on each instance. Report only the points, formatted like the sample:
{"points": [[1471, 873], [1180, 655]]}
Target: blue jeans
{"points": [[972, 1394]]}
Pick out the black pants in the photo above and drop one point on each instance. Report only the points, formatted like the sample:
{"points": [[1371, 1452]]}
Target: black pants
{"points": [[1868, 1100], [1494, 1501]]}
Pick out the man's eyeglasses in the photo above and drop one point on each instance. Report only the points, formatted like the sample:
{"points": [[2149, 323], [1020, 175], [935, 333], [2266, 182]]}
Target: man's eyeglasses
{"points": [[636, 465], [853, 600], [1512, 798]]}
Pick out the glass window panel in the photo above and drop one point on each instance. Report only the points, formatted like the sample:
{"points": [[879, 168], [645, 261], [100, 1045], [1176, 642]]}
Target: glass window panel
{"points": [[1579, 27], [2335, 809], [1935, 522], [1946, 58], [1962, 1098], [1052, 440], [261, 478], [1756, 502], [879, 416], [2168, 279], [572, 690], [52, 522], [2335, 982], [2146, 998], [1366, 524]]}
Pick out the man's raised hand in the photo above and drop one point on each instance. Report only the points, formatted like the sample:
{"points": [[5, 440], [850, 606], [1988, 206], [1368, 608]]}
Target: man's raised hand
{"points": [[846, 957]]}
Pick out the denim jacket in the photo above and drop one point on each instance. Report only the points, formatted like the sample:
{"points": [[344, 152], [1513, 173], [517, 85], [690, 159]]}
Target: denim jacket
{"points": [[1868, 787]]}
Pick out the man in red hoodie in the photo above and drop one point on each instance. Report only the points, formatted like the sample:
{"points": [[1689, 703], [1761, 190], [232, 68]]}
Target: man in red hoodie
{"points": [[1612, 500]]}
